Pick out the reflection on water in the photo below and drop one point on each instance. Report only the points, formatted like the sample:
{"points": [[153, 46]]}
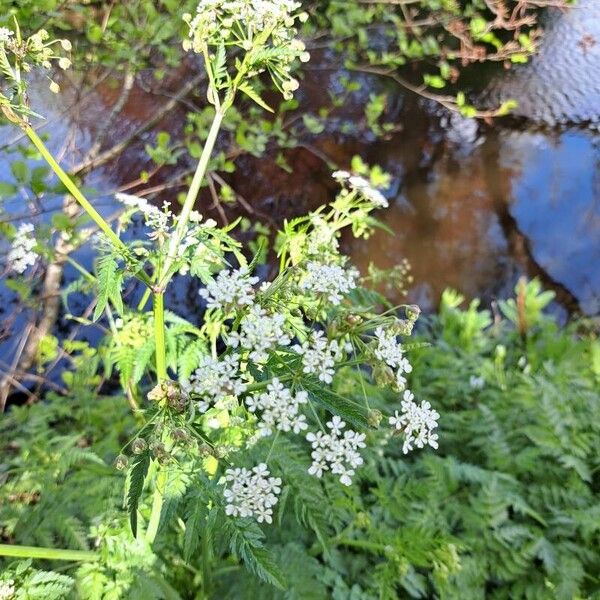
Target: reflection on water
{"points": [[561, 84], [485, 211]]}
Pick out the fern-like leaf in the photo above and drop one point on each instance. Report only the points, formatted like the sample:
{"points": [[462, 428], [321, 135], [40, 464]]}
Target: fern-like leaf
{"points": [[137, 475]]}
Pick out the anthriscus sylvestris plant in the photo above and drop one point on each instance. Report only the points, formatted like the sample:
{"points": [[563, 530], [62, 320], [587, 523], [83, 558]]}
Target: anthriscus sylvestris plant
{"points": [[263, 367]]}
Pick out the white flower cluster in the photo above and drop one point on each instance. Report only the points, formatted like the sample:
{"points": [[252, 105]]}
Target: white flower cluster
{"points": [[215, 380], [391, 352], [333, 281], [7, 587], [417, 422], [238, 22], [319, 356], [260, 332], [157, 220], [21, 253], [218, 17], [5, 34], [251, 493], [363, 187], [280, 409], [336, 452], [230, 288]]}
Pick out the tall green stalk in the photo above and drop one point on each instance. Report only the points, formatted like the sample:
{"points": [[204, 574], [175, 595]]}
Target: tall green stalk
{"points": [[159, 336], [158, 295], [190, 199], [47, 553], [79, 197]]}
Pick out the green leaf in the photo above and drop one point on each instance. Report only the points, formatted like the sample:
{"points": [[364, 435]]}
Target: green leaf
{"points": [[348, 409], [7, 189], [20, 170], [110, 280], [136, 477], [247, 89], [246, 543], [196, 516]]}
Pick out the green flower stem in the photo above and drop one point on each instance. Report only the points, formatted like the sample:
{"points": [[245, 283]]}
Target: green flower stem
{"points": [[47, 553], [191, 197], [159, 336], [81, 199]]}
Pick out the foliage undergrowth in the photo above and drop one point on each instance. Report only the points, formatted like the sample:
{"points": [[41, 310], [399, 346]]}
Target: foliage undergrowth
{"points": [[508, 507]]}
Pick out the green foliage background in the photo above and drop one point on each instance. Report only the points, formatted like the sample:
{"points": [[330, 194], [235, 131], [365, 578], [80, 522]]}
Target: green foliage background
{"points": [[509, 507]]}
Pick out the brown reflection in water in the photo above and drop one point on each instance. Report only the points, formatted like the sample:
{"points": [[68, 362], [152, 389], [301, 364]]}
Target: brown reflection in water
{"points": [[447, 227], [450, 213]]}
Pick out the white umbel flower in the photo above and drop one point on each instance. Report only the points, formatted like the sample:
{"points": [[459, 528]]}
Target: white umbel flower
{"points": [[21, 254], [230, 288], [331, 281], [251, 493], [212, 16], [391, 353], [319, 356], [157, 220], [336, 451], [5, 34], [7, 587], [260, 332], [417, 422], [215, 380], [363, 187], [280, 410]]}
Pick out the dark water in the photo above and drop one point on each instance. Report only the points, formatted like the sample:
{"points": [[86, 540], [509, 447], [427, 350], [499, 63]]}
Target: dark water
{"points": [[473, 206]]}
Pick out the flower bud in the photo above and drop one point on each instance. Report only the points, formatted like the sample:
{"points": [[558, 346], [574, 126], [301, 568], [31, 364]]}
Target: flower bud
{"points": [[220, 452], [158, 449], [412, 312], [139, 446], [179, 434], [374, 417], [205, 450], [354, 320], [121, 462]]}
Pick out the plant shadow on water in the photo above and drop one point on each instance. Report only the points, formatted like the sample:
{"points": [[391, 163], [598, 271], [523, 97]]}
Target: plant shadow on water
{"points": [[472, 206]]}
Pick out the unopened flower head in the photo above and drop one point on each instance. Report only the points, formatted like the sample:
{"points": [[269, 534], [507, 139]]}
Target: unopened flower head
{"points": [[417, 422], [251, 493], [22, 254], [319, 356], [362, 186], [279, 408], [230, 289], [337, 451], [332, 281], [260, 332], [215, 380]]}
